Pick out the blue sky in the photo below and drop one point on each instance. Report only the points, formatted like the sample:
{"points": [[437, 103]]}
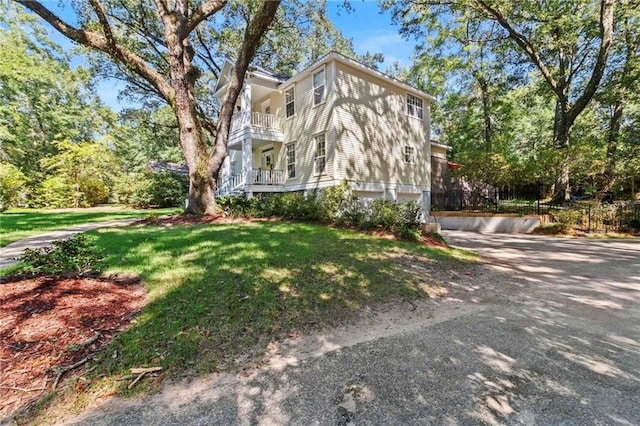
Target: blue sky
{"points": [[372, 31], [369, 29]]}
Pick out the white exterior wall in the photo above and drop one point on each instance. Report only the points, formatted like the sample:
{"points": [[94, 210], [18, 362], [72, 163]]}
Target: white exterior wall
{"points": [[372, 130], [309, 121], [366, 129]]}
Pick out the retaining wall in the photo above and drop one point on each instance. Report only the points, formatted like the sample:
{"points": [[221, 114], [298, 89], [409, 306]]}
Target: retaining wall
{"points": [[482, 222]]}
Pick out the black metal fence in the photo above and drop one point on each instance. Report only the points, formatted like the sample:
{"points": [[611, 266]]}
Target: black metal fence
{"points": [[599, 217], [489, 201], [587, 216]]}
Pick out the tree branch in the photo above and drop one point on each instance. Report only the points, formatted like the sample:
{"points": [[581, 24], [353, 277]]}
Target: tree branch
{"points": [[606, 33], [524, 44], [99, 42], [104, 22], [204, 11]]}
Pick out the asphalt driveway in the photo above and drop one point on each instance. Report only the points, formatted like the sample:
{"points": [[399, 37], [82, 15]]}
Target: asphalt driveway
{"points": [[548, 332]]}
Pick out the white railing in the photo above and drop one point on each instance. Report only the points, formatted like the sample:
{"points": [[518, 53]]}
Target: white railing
{"points": [[267, 177], [231, 184], [266, 121], [242, 119]]}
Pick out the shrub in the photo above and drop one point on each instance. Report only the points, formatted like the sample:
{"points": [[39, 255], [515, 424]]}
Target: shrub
{"points": [[126, 186], [331, 200], [334, 205], [12, 185], [567, 218], [54, 192], [165, 189], [168, 189], [77, 255], [94, 192]]}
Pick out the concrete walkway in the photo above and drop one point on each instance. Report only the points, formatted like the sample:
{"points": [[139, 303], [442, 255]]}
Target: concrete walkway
{"points": [[10, 254]]}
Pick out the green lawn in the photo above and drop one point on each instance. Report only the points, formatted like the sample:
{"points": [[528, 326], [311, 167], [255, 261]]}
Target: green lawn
{"points": [[16, 224], [220, 293]]}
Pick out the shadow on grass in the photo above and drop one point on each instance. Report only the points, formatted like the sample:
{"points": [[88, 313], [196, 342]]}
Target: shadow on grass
{"points": [[219, 294]]}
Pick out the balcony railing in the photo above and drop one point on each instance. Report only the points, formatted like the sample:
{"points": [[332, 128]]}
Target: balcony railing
{"points": [[255, 119], [267, 177]]}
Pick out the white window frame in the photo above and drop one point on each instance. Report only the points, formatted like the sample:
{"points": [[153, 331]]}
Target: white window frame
{"points": [[292, 89], [291, 145], [316, 151], [323, 95], [415, 106], [409, 154]]}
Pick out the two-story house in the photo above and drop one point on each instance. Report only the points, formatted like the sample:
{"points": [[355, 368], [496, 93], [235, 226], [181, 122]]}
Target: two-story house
{"points": [[337, 119]]}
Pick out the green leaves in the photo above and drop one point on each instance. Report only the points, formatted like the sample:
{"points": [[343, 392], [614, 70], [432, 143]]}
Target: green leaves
{"points": [[77, 255]]}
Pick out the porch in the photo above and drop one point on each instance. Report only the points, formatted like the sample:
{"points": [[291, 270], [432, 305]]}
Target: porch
{"points": [[260, 180]]}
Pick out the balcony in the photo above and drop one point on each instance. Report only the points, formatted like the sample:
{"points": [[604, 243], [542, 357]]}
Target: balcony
{"points": [[255, 125]]}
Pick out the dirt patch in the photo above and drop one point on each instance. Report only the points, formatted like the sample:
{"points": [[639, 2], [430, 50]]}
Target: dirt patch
{"points": [[48, 323]]}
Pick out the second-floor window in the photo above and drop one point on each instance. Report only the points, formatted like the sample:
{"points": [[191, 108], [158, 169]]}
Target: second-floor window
{"points": [[409, 154], [321, 154], [414, 106], [291, 160], [318, 87], [289, 102]]}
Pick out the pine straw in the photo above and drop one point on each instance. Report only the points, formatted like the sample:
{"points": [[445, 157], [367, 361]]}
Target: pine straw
{"points": [[50, 324]]}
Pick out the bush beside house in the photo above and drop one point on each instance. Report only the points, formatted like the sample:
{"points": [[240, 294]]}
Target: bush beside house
{"points": [[334, 205]]}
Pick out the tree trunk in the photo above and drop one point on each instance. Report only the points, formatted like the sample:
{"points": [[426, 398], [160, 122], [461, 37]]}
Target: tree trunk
{"points": [[201, 198], [562, 124], [486, 114], [612, 146]]}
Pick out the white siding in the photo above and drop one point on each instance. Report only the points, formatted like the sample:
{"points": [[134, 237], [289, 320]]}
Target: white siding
{"points": [[373, 129]]}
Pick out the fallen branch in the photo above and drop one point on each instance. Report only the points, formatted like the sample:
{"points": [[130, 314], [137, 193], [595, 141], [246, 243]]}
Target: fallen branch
{"points": [[22, 389], [141, 372], [62, 370], [90, 340]]}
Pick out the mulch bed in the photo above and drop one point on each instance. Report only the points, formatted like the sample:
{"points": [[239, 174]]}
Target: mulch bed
{"points": [[49, 323]]}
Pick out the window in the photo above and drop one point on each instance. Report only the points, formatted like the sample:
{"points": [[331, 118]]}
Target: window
{"points": [[234, 168], [291, 160], [414, 106], [318, 87], [409, 154], [321, 154], [289, 102]]}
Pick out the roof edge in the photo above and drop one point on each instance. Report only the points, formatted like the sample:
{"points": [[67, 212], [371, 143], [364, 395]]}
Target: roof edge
{"points": [[333, 55]]}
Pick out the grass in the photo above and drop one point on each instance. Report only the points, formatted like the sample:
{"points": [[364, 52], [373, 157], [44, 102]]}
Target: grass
{"points": [[218, 295], [16, 224]]}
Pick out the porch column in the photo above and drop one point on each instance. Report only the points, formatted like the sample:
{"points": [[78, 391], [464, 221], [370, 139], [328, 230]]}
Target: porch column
{"points": [[245, 105], [247, 166]]}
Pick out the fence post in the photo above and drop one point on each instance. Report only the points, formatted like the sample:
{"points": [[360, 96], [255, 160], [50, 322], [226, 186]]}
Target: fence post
{"points": [[538, 197], [589, 216], [495, 197]]}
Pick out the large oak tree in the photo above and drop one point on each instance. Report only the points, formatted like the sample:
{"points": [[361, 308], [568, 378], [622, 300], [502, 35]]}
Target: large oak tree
{"points": [[129, 33]]}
